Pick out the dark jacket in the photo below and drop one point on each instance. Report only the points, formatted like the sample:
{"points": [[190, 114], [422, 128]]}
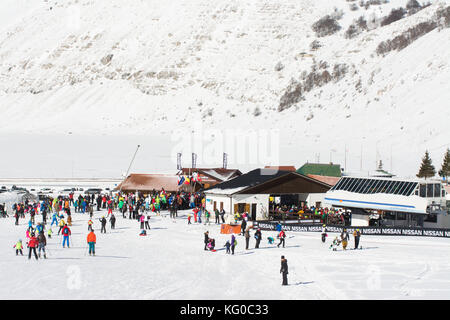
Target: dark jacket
{"points": [[41, 239], [206, 237], [284, 266]]}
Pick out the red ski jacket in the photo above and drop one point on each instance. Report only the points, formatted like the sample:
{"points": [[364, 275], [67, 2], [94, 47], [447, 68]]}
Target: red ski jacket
{"points": [[33, 243]]}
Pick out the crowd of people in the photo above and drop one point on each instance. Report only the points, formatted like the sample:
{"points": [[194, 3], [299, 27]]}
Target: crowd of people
{"points": [[324, 215], [139, 207]]}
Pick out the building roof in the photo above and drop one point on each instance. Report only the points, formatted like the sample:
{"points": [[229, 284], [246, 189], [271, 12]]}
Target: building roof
{"points": [[217, 174], [148, 182], [320, 169], [282, 168], [325, 179], [251, 178], [272, 181]]}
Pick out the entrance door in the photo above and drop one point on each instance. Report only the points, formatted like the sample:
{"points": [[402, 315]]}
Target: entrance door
{"points": [[253, 211]]}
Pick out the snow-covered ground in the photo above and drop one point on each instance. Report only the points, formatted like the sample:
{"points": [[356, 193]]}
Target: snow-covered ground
{"points": [[170, 263]]}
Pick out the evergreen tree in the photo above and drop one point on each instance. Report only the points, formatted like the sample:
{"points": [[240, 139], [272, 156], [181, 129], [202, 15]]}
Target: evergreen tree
{"points": [[426, 168], [445, 169]]}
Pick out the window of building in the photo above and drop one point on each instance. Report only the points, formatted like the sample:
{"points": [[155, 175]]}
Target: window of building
{"points": [[430, 190], [437, 190], [423, 190]]}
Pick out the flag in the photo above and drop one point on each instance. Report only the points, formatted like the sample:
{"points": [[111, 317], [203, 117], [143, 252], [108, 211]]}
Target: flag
{"points": [[180, 180], [187, 180]]}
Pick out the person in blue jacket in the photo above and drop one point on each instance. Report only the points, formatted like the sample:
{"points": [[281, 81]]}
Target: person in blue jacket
{"points": [[54, 219]]}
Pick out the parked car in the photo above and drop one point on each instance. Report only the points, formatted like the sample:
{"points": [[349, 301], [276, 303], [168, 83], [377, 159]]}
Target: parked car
{"points": [[93, 191]]}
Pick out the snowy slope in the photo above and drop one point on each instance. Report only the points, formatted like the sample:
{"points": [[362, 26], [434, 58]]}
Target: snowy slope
{"points": [[143, 67], [170, 263]]}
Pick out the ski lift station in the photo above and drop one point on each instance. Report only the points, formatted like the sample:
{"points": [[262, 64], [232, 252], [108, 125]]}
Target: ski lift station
{"points": [[376, 201]]}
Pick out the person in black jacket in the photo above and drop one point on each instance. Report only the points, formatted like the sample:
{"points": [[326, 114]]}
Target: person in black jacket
{"points": [[284, 270], [206, 239], [258, 237], [42, 242], [113, 221], [103, 221], [243, 225]]}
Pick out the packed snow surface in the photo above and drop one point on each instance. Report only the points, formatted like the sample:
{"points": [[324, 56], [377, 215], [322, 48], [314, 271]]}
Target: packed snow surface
{"points": [[170, 263]]}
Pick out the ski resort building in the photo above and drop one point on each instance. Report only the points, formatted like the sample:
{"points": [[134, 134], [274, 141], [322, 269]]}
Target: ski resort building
{"points": [[203, 178], [375, 201], [146, 183], [252, 192]]}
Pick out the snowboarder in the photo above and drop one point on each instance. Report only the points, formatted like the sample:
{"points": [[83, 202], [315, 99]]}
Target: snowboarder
{"points": [[271, 240], [284, 270], [91, 240]]}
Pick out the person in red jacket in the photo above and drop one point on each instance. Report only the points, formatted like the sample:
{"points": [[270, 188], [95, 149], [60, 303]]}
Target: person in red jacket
{"points": [[91, 240], [281, 236], [66, 233], [32, 245]]}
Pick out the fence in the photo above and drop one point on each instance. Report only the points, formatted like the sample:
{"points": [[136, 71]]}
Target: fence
{"points": [[392, 231]]}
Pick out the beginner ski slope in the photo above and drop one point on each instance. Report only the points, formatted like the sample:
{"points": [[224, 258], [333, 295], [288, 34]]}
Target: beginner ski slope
{"points": [[170, 263]]}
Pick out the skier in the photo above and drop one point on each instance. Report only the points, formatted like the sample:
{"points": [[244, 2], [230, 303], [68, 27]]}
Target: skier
{"points": [[217, 216], [206, 239], [243, 225], [284, 270], [42, 242], [228, 245], [66, 233], [258, 237], [282, 237], [335, 244], [61, 225], [324, 233], [54, 220], [357, 235], [112, 219], [344, 239], [103, 222], [270, 240], [147, 218], [142, 220], [19, 247], [90, 223], [32, 244], [91, 240], [49, 233], [247, 238], [233, 243], [222, 214]]}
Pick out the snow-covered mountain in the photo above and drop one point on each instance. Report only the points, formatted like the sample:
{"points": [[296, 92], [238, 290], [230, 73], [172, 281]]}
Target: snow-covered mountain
{"points": [[141, 67]]}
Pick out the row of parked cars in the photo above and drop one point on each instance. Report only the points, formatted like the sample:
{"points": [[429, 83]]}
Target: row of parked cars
{"points": [[48, 191]]}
